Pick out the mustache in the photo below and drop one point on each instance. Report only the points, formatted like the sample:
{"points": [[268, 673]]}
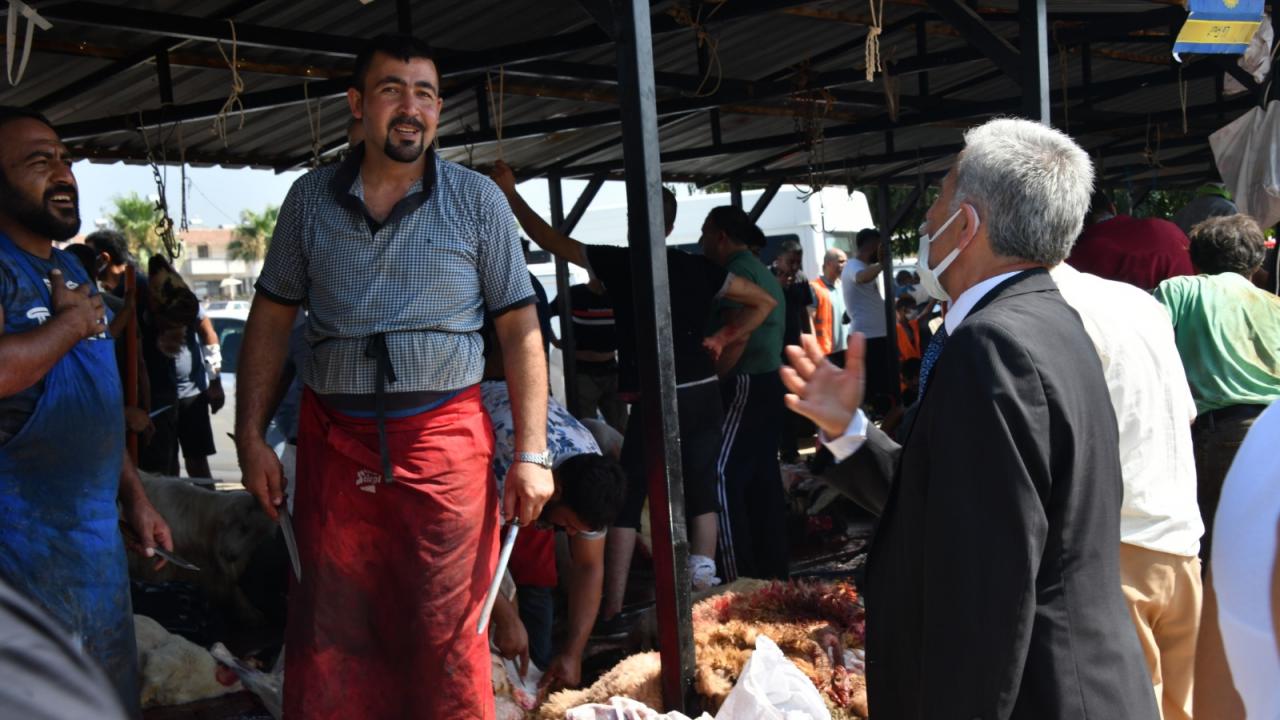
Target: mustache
{"points": [[62, 190], [406, 120]]}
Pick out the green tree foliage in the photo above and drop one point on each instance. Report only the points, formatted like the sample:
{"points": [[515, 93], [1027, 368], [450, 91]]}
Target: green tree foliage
{"points": [[253, 235], [135, 217], [906, 238]]}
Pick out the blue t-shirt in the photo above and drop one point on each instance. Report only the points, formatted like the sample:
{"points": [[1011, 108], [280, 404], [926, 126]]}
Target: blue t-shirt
{"points": [[26, 309]]}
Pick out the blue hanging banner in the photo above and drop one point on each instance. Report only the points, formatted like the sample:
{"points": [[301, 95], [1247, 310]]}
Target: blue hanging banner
{"points": [[1222, 27]]}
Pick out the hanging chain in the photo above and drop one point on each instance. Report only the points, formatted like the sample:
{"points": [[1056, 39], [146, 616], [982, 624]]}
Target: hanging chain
{"points": [[810, 107], [164, 223]]}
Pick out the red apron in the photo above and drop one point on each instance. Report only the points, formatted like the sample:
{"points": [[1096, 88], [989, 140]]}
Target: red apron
{"points": [[393, 574]]}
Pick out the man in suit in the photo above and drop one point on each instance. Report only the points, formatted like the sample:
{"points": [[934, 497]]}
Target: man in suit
{"points": [[993, 585]]}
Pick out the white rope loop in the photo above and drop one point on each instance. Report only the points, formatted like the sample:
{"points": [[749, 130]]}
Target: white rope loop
{"points": [[495, 104], [16, 8], [872, 47], [237, 88]]}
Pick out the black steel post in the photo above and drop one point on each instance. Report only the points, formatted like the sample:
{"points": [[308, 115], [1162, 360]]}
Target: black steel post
{"points": [[646, 237], [735, 192], [164, 78], [567, 344], [922, 47], [404, 17], [1034, 42], [886, 224]]}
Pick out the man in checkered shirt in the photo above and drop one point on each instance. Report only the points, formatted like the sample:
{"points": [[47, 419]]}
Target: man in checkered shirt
{"points": [[398, 255]]}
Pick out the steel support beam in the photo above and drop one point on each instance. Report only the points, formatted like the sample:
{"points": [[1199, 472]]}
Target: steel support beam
{"points": [[735, 192], [97, 77], [762, 202], [1034, 65], [568, 343], [886, 274], [602, 13], [660, 431], [977, 33], [404, 17], [583, 202], [164, 78]]}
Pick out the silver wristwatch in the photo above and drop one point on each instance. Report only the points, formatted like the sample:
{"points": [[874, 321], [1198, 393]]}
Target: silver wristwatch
{"points": [[543, 458]]}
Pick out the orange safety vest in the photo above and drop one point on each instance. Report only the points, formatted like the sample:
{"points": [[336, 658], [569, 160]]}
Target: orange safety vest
{"points": [[823, 322], [908, 340]]}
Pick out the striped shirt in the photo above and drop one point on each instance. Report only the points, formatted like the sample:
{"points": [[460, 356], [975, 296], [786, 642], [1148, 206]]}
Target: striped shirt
{"points": [[425, 276], [594, 328]]}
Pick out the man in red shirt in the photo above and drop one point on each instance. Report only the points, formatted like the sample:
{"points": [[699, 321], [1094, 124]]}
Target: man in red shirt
{"points": [[1139, 251]]}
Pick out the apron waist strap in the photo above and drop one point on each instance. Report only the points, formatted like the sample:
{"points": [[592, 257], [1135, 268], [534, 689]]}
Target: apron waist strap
{"points": [[377, 350]]}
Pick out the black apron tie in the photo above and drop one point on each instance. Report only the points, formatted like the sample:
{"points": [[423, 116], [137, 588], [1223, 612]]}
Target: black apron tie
{"points": [[377, 350]]}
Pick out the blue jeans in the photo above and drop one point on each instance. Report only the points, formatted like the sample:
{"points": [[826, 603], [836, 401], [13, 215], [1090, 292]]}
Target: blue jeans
{"points": [[537, 610]]}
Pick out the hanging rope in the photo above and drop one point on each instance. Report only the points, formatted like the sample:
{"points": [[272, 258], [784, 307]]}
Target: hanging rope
{"points": [[1152, 156], [1182, 98], [16, 8], [237, 87], [495, 104], [313, 123], [164, 223], [1064, 68], [682, 16], [891, 98], [871, 51], [183, 224]]}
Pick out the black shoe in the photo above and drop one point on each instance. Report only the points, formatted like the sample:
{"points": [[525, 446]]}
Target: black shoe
{"points": [[614, 628]]}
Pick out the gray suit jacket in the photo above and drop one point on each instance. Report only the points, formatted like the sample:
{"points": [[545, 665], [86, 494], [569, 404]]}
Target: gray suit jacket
{"points": [[993, 583]]}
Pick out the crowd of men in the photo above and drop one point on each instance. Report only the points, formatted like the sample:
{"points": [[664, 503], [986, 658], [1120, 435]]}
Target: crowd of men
{"points": [[1073, 415]]}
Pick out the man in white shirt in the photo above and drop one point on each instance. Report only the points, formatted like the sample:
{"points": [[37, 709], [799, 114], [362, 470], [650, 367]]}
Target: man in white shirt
{"points": [[863, 289], [1160, 526]]}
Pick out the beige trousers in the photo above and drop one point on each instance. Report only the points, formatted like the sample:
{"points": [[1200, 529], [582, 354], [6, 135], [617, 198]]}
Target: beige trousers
{"points": [[1164, 595]]}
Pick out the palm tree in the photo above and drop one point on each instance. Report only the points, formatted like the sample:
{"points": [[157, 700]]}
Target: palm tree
{"points": [[253, 235], [135, 217]]}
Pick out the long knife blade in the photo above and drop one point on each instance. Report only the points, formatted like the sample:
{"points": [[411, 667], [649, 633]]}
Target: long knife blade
{"points": [[175, 559], [290, 540], [489, 599], [160, 552]]}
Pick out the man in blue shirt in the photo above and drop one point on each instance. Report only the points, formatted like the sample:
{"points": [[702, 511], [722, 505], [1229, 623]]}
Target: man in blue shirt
{"points": [[62, 461]]}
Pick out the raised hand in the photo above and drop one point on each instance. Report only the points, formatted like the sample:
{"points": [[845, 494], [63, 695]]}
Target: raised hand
{"points": [[820, 391]]}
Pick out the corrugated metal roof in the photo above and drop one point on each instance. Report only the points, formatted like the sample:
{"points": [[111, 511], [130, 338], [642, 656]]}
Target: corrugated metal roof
{"points": [[748, 47]]}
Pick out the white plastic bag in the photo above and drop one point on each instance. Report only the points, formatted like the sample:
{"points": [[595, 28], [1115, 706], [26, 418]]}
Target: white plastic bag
{"points": [[772, 688], [1256, 59], [1247, 152], [620, 708]]}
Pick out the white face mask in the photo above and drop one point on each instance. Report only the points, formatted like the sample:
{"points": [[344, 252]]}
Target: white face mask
{"points": [[929, 276]]}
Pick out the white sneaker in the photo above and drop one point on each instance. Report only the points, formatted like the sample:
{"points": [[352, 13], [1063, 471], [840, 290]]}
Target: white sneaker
{"points": [[702, 572]]}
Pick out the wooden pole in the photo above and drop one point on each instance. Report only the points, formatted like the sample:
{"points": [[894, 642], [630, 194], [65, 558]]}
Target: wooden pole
{"points": [[131, 358]]}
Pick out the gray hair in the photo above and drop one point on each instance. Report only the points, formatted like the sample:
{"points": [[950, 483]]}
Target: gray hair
{"points": [[833, 255], [1032, 184]]}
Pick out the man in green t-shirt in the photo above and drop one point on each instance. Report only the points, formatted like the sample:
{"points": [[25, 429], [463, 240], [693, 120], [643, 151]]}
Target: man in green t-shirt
{"points": [[753, 519], [1228, 334]]}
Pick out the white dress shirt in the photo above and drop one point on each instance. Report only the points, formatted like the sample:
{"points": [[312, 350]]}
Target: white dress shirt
{"points": [[853, 437], [1153, 405], [1244, 556]]}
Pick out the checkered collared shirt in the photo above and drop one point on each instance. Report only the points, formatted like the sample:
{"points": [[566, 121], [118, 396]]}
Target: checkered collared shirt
{"points": [[447, 253]]}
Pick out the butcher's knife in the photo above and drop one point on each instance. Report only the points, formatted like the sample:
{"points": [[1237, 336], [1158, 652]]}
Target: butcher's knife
{"points": [[175, 559], [159, 551], [290, 540], [507, 543], [155, 413]]}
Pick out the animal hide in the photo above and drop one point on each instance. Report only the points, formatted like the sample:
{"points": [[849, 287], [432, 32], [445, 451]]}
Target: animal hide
{"points": [[172, 669], [819, 626]]}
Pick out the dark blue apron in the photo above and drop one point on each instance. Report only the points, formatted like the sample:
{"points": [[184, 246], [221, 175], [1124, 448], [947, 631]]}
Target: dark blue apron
{"points": [[60, 542]]}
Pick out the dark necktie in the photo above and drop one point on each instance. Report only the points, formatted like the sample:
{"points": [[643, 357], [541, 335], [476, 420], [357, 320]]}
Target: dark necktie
{"points": [[930, 358]]}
